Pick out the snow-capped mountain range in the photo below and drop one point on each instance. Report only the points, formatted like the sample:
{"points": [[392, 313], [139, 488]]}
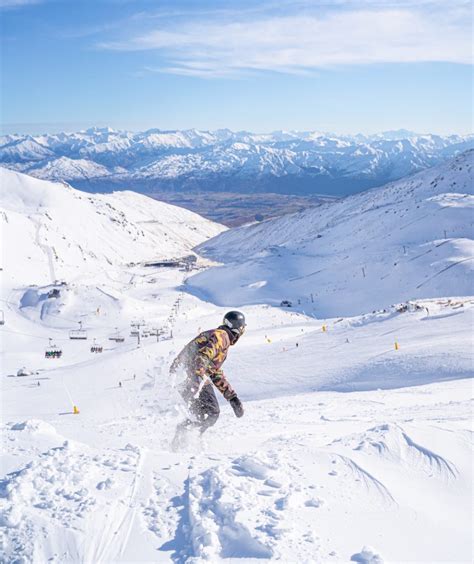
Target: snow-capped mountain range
{"points": [[103, 159]]}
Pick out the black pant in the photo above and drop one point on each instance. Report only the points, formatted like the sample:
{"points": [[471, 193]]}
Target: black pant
{"points": [[204, 407]]}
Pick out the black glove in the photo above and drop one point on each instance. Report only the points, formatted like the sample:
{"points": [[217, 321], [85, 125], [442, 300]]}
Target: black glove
{"points": [[237, 406]]}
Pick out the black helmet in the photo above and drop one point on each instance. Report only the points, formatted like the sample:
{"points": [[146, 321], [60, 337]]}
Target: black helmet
{"points": [[235, 321]]}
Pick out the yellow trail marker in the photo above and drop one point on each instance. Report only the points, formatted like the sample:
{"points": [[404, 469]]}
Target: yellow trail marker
{"points": [[396, 346], [75, 410]]}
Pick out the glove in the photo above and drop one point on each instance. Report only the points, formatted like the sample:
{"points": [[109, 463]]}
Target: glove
{"points": [[237, 406]]}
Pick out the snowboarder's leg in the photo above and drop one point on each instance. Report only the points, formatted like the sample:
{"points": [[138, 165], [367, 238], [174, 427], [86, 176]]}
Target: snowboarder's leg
{"points": [[203, 409], [206, 408], [188, 392], [180, 439]]}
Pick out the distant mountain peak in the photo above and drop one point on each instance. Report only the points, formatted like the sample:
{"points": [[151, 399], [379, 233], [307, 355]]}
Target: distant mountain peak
{"points": [[283, 161]]}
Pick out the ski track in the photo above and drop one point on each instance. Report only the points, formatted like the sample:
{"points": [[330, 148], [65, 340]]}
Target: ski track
{"points": [[45, 248]]}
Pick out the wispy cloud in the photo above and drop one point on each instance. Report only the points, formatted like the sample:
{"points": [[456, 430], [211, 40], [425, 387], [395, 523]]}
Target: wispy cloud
{"points": [[17, 3], [302, 36]]}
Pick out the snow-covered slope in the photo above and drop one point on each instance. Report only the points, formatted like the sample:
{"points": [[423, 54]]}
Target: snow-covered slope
{"points": [[222, 160], [78, 232], [381, 472], [64, 169], [408, 239]]}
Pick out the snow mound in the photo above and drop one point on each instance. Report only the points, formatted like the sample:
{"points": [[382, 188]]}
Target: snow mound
{"points": [[367, 556], [34, 426], [393, 444], [409, 239]]}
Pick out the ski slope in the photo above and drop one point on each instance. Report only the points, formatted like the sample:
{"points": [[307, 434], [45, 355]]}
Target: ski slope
{"points": [[79, 232], [356, 443], [408, 239]]}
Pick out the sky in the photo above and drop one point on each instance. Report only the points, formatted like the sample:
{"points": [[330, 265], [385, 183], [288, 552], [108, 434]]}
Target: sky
{"points": [[342, 66]]}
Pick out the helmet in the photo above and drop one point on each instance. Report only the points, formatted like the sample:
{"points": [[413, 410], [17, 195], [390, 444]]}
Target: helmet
{"points": [[235, 321]]}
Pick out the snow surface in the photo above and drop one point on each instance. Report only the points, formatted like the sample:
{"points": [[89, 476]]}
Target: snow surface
{"points": [[350, 449], [79, 232]]}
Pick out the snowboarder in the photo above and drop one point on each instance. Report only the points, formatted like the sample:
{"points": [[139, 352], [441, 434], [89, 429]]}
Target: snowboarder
{"points": [[201, 361]]}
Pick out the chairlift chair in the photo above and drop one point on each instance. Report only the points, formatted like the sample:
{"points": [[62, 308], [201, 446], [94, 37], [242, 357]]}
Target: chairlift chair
{"points": [[52, 351], [117, 337], [96, 348], [78, 334]]}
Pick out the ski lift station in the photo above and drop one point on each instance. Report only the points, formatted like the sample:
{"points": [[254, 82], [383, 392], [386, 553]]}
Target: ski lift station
{"points": [[183, 262]]}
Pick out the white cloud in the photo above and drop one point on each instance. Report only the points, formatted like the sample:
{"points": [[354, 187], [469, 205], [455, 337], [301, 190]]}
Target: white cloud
{"points": [[343, 32], [17, 3]]}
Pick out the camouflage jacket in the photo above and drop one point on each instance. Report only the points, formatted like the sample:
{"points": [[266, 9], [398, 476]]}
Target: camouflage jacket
{"points": [[204, 356]]}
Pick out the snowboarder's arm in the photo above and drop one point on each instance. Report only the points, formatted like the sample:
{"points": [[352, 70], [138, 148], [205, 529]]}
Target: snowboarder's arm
{"points": [[223, 385]]}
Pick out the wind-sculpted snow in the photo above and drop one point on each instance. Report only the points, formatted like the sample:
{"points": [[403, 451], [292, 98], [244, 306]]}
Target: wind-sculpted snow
{"points": [[284, 162], [408, 239], [391, 443]]}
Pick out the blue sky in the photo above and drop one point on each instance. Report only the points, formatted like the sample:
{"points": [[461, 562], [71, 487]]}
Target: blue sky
{"points": [[345, 66]]}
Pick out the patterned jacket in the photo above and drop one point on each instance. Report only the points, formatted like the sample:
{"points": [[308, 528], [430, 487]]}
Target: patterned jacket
{"points": [[204, 356]]}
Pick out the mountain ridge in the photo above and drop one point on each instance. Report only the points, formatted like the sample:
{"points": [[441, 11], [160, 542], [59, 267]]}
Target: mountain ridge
{"points": [[393, 243], [287, 162]]}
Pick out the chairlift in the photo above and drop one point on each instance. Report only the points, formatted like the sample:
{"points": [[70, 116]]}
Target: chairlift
{"points": [[2, 318], [117, 337], [78, 334], [52, 351], [96, 348], [135, 328]]}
